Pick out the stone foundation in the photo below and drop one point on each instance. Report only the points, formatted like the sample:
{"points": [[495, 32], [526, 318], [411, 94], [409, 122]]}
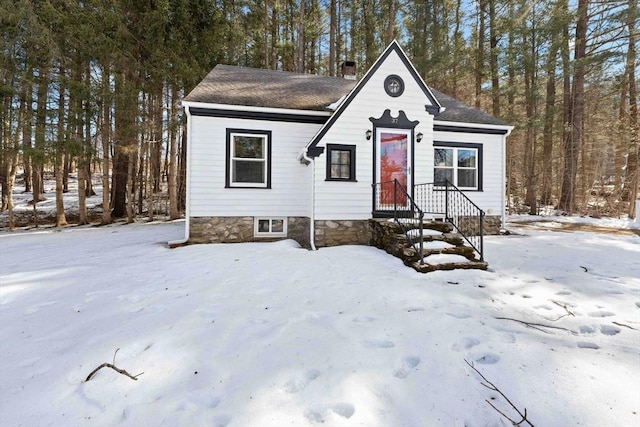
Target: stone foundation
{"points": [[237, 229], [490, 226], [327, 232], [342, 232]]}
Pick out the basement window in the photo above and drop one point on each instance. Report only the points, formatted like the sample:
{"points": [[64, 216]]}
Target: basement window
{"points": [[270, 227]]}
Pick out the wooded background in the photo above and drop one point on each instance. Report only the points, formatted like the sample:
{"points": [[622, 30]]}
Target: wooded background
{"points": [[94, 87]]}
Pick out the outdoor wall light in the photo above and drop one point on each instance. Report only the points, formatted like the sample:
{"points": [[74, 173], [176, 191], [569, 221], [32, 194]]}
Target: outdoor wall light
{"points": [[419, 136], [368, 134]]}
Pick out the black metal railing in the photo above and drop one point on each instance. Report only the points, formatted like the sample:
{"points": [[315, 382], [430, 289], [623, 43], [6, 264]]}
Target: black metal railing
{"points": [[452, 205], [391, 199]]}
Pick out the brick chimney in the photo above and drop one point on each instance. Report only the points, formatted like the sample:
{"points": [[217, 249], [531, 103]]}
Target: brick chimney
{"points": [[348, 70]]}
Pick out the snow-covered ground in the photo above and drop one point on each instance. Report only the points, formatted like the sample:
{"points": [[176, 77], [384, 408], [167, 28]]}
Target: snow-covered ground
{"points": [[268, 334]]}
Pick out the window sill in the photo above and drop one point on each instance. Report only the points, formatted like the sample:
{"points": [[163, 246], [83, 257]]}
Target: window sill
{"points": [[340, 180], [248, 187], [464, 190]]}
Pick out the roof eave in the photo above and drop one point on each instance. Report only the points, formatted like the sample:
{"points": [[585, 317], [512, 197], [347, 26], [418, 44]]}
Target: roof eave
{"points": [[214, 106]]}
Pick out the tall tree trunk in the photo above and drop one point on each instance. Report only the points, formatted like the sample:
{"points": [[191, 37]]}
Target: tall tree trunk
{"points": [[61, 218], [493, 44], [632, 178], [174, 212], [182, 167], [391, 21], [105, 136], [39, 151], [572, 148], [9, 155], [480, 52], [156, 136], [88, 151], [125, 139], [300, 58], [27, 122], [130, 188], [458, 43], [332, 38], [549, 116]]}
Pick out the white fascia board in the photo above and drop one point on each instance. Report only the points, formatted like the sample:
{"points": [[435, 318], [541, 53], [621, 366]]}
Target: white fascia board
{"points": [[474, 125], [255, 109]]}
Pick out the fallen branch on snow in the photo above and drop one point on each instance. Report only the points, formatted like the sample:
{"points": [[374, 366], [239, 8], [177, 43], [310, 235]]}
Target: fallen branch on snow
{"points": [[537, 326], [568, 312], [623, 325], [491, 386], [113, 366]]}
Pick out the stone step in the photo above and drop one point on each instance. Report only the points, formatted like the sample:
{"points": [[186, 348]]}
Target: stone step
{"points": [[427, 267], [442, 248]]}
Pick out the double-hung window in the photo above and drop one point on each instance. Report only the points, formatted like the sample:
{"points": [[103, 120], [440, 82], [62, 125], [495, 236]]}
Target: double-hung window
{"points": [[460, 164], [341, 162], [248, 158]]}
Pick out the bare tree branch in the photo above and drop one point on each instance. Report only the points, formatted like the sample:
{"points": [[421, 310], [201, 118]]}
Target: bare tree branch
{"points": [[113, 366], [491, 386], [537, 326]]}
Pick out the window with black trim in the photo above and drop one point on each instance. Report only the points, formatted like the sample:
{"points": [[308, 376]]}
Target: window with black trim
{"points": [[341, 162], [460, 164], [248, 158]]}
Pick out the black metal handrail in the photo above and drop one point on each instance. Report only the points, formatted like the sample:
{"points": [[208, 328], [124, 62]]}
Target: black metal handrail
{"points": [[448, 200], [391, 197]]}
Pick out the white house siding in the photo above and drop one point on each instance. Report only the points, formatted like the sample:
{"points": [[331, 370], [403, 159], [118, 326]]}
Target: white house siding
{"points": [[353, 200], [491, 198], [290, 181]]}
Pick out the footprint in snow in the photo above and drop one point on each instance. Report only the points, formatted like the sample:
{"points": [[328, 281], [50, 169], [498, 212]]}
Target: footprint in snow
{"points": [[363, 319], [221, 420], [638, 304], [465, 343], [300, 382], [589, 345], [587, 329], [487, 359], [205, 399], [609, 330], [320, 413], [563, 293], [408, 363], [459, 315], [601, 313], [378, 344]]}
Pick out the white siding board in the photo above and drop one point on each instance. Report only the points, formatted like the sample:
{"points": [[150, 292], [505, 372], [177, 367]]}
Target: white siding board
{"points": [[348, 200], [290, 181]]}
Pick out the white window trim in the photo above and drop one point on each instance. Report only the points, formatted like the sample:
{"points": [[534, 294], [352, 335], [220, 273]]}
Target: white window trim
{"points": [[257, 233], [264, 160], [456, 168]]}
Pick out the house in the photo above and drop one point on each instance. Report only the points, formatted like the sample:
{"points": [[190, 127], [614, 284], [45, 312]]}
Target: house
{"points": [[275, 155]]}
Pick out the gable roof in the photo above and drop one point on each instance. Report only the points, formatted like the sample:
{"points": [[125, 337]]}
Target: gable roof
{"points": [[461, 113], [255, 87]]}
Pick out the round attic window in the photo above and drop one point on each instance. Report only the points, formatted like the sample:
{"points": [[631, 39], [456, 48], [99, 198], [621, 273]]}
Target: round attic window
{"points": [[393, 85]]}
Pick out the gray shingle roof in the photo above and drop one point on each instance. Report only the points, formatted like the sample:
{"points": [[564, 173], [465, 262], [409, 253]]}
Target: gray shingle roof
{"points": [[459, 112], [255, 87]]}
